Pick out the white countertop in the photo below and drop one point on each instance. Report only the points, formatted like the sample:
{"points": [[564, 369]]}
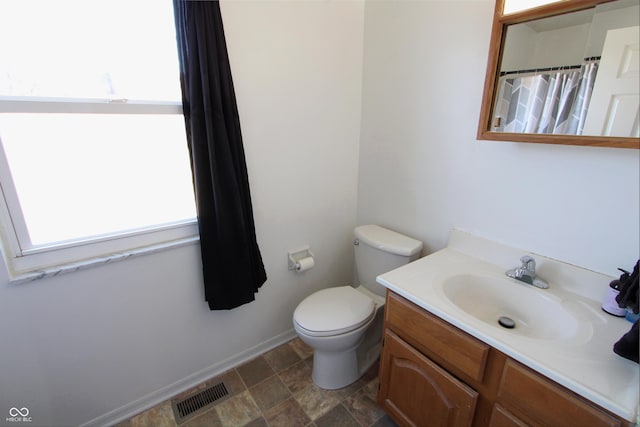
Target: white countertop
{"points": [[585, 364]]}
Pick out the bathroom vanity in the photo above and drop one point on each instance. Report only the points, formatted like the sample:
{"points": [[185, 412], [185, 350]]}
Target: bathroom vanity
{"points": [[446, 360]]}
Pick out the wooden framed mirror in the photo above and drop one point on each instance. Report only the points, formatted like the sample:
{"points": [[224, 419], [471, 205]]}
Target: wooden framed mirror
{"points": [[567, 72]]}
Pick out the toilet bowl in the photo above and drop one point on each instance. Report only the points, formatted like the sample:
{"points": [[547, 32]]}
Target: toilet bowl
{"points": [[336, 359], [343, 324]]}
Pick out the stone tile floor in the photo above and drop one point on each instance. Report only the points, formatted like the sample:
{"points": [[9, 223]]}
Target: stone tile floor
{"points": [[274, 390]]}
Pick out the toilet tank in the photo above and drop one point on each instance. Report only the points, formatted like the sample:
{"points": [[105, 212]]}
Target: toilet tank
{"points": [[379, 250]]}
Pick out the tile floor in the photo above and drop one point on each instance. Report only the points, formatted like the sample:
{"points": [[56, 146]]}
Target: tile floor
{"points": [[275, 389]]}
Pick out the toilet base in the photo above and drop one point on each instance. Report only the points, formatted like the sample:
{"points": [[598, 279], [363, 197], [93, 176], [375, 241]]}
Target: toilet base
{"points": [[339, 361], [332, 371], [335, 370]]}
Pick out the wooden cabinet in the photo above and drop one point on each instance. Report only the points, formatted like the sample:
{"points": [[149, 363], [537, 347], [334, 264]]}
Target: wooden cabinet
{"points": [[541, 402], [414, 388], [433, 374], [436, 338], [501, 417]]}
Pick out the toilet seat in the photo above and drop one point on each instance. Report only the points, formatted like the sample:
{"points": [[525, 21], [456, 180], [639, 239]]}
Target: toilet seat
{"points": [[334, 311]]}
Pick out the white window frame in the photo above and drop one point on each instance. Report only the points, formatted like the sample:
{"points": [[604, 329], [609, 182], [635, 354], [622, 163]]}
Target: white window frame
{"points": [[28, 263]]}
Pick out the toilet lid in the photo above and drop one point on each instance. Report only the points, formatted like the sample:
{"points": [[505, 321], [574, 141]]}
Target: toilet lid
{"points": [[334, 311]]}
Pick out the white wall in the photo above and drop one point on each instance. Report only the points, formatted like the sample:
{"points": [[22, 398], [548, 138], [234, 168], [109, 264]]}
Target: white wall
{"points": [[422, 171], [564, 46], [103, 342], [117, 337], [607, 19], [512, 6], [519, 43], [526, 48]]}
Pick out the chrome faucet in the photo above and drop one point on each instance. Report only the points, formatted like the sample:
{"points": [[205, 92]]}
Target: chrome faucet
{"points": [[527, 273]]}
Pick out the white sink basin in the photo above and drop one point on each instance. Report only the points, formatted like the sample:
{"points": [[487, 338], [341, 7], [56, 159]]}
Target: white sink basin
{"points": [[488, 298]]}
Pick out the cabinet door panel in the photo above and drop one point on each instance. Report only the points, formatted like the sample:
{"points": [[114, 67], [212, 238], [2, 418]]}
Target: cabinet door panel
{"points": [[500, 417], [417, 392]]}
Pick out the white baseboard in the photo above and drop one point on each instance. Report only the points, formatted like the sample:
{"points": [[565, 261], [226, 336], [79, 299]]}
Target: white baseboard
{"points": [[165, 393]]}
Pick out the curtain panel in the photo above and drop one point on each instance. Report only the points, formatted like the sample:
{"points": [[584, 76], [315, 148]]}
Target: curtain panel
{"points": [[232, 265], [549, 102]]}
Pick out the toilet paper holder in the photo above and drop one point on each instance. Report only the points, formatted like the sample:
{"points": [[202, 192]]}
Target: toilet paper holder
{"points": [[294, 257]]}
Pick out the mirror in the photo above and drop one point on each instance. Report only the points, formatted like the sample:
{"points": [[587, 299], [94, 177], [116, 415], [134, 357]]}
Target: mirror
{"points": [[564, 73]]}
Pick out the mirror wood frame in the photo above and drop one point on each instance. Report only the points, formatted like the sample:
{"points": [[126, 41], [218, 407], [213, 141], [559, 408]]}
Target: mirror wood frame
{"points": [[498, 33]]}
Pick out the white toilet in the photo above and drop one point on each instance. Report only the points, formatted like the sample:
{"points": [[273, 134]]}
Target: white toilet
{"points": [[344, 325]]}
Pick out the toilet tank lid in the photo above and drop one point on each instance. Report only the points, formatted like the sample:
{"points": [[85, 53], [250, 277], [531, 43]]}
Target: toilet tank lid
{"points": [[387, 240]]}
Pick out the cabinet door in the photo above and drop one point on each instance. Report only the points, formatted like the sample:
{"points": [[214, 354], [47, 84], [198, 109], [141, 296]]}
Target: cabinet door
{"points": [[414, 391], [500, 417]]}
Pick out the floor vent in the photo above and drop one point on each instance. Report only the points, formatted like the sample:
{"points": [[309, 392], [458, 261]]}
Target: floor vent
{"points": [[199, 402]]}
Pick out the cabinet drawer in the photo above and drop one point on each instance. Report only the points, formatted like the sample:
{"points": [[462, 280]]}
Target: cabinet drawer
{"points": [[436, 338], [543, 402]]}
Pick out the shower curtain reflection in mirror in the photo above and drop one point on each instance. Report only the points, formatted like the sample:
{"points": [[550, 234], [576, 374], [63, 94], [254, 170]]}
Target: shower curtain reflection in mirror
{"points": [[550, 101]]}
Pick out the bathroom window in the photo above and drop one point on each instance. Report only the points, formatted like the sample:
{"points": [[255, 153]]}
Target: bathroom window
{"points": [[93, 151]]}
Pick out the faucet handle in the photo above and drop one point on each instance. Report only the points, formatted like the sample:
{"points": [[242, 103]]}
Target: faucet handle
{"points": [[528, 263]]}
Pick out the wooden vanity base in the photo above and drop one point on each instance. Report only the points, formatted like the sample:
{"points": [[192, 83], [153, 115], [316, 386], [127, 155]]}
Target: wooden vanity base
{"points": [[434, 374]]}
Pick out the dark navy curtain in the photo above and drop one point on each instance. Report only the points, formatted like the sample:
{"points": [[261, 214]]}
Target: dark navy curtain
{"points": [[232, 265]]}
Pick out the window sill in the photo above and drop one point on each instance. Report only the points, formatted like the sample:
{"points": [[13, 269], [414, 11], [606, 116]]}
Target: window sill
{"points": [[57, 270]]}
